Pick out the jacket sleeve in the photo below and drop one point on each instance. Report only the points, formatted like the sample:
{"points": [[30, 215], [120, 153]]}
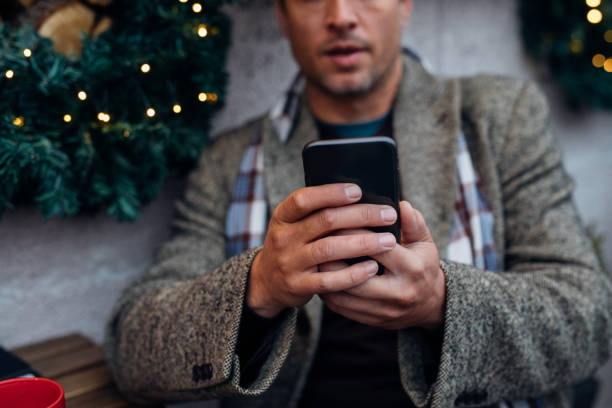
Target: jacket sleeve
{"points": [[174, 332], [544, 322]]}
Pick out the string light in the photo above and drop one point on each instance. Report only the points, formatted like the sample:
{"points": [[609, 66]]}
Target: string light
{"points": [[593, 3], [145, 68], [67, 118], [608, 65], [82, 95], [103, 117], [576, 46], [9, 74], [202, 31], [599, 60], [197, 7], [150, 112], [19, 122], [594, 16], [202, 97], [608, 36], [27, 53], [182, 1], [213, 97], [126, 133], [177, 108]]}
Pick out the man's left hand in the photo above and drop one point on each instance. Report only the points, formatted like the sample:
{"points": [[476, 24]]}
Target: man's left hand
{"points": [[412, 290]]}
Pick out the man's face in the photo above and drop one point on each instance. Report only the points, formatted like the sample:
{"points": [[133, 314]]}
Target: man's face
{"points": [[344, 47]]}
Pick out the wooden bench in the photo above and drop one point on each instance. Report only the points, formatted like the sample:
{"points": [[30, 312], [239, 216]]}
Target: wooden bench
{"points": [[79, 366]]}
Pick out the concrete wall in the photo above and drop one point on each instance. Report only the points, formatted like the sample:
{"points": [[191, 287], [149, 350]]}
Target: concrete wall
{"points": [[64, 275]]}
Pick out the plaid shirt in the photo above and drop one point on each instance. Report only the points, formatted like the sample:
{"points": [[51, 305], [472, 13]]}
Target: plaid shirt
{"points": [[472, 226]]}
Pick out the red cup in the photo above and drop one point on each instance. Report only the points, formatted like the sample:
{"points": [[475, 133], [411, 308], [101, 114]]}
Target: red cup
{"points": [[31, 393]]}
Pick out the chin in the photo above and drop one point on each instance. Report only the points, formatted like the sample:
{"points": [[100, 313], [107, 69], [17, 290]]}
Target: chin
{"points": [[345, 85]]}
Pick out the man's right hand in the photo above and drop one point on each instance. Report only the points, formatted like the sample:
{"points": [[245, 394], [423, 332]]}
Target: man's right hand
{"points": [[285, 273]]}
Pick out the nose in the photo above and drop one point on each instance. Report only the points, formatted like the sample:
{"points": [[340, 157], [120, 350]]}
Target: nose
{"points": [[341, 15]]}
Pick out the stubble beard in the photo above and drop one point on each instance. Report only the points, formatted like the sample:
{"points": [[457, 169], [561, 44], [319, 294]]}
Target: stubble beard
{"points": [[339, 88]]}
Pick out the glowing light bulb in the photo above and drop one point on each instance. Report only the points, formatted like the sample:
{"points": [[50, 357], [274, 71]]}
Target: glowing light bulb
{"points": [[197, 7], [593, 3], [599, 60], [67, 118], [608, 36], [594, 16], [150, 112], [183, 1], [177, 108], [202, 97], [608, 65], [82, 95], [126, 133], [145, 68], [27, 53], [213, 97], [19, 122], [9, 74], [202, 31], [103, 117]]}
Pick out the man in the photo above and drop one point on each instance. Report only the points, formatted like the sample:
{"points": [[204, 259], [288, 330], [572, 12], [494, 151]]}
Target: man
{"points": [[290, 324]]}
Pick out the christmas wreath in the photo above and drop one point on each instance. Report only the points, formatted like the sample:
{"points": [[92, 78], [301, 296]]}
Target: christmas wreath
{"points": [[574, 39], [101, 99]]}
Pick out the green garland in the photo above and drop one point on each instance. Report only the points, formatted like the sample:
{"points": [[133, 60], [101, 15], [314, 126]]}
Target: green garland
{"points": [[577, 52], [113, 150]]}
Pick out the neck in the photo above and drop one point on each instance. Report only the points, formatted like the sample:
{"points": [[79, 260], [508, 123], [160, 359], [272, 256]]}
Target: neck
{"points": [[374, 103]]}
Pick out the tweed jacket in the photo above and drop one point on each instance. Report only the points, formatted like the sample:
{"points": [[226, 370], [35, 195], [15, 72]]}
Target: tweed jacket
{"points": [[540, 324]]}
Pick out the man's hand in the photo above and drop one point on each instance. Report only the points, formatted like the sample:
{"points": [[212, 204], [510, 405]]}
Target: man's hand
{"points": [[285, 273], [412, 291]]}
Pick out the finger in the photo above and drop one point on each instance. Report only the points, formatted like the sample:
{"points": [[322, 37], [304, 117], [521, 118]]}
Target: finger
{"points": [[347, 301], [308, 199], [335, 248], [324, 221], [364, 318], [339, 280], [414, 228], [332, 266]]}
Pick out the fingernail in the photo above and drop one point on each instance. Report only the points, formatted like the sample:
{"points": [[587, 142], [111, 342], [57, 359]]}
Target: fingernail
{"points": [[371, 267], [387, 241], [352, 191], [388, 215]]}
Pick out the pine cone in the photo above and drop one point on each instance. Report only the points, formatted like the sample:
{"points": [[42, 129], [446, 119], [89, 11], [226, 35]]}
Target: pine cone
{"points": [[63, 21]]}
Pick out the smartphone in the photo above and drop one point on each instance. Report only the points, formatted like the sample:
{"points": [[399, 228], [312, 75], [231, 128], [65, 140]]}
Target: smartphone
{"points": [[369, 162]]}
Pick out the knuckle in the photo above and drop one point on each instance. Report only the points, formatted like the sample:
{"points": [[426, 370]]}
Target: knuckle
{"points": [[276, 238], [327, 218], [298, 199], [324, 285], [283, 263], [368, 242], [366, 213], [323, 250]]}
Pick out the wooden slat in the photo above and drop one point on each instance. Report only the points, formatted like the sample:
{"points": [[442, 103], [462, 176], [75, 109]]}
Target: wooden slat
{"points": [[84, 381], [53, 347], [103, 398], [62, 364]]}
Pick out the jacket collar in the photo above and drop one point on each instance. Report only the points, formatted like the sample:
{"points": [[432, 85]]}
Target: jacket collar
{"points": [[426, 122]]}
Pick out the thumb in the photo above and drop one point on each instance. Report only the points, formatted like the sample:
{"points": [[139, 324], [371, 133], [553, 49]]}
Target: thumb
{"points": [[414, 228]]}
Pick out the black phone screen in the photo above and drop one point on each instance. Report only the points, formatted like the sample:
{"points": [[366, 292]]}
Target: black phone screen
{"points": [[369, 162]]}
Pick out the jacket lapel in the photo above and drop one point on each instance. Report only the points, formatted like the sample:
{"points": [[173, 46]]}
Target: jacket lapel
{"points": [[426, 120]]}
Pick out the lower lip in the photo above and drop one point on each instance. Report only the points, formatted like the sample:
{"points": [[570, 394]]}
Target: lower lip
{"points": [[345, 60]]}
